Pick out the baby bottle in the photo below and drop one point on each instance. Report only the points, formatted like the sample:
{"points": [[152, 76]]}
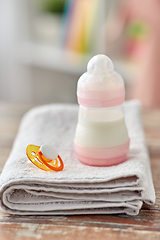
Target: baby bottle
{"points": [[101, 137]]}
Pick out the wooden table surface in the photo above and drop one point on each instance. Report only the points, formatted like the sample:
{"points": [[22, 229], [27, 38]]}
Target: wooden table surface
{"points": [[144, 226]]}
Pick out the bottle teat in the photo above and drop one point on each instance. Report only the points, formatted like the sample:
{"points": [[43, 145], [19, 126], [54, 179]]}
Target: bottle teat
{"points": [[100, 64], [100, 86]]}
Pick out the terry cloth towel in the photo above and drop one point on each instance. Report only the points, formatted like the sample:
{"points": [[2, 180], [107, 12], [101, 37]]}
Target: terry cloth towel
{"points": [[78, 189]]}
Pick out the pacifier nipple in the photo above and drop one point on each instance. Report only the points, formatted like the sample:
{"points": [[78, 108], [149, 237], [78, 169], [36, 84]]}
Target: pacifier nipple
{"points": [[48, 151], [45, 157]]}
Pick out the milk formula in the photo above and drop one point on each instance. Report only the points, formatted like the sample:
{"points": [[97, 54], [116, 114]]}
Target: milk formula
{"points": [[101, 137]]}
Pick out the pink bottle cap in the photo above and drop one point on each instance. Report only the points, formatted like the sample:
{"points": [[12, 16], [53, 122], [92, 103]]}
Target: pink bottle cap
{"points": [[100, 86]]}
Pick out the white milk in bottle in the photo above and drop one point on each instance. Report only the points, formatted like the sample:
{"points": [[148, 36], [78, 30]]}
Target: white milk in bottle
{"points": [[101, 137]]}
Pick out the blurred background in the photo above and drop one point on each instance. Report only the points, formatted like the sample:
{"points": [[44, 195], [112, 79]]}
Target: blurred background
{"points": [[45, 46]]}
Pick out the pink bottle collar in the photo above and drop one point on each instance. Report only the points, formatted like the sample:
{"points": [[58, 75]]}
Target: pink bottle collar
{"points": [[101, 102]]}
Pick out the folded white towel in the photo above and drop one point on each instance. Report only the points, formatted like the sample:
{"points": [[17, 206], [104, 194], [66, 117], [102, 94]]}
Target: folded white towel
{"points": [[78, 189]]}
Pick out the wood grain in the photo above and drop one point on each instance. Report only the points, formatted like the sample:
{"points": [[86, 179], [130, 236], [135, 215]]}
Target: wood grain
{"points": [[144, 226]]}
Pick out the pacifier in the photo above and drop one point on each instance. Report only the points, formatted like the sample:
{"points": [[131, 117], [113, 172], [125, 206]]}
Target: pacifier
{"points": [[45, 157]]}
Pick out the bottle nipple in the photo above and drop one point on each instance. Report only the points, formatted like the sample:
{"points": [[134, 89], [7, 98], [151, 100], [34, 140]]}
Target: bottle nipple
{"points": [[100, 86], [100, 65]]}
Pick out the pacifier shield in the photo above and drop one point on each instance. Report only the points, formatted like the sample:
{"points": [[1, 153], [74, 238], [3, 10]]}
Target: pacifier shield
{"points": [[37, 157]]}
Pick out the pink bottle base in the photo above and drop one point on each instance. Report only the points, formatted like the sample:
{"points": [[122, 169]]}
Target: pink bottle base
{"points": [[102, 162], [97, 156]]}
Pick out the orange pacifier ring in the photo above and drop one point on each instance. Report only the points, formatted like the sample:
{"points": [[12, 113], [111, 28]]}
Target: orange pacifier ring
{"points": [[45, 157]]}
